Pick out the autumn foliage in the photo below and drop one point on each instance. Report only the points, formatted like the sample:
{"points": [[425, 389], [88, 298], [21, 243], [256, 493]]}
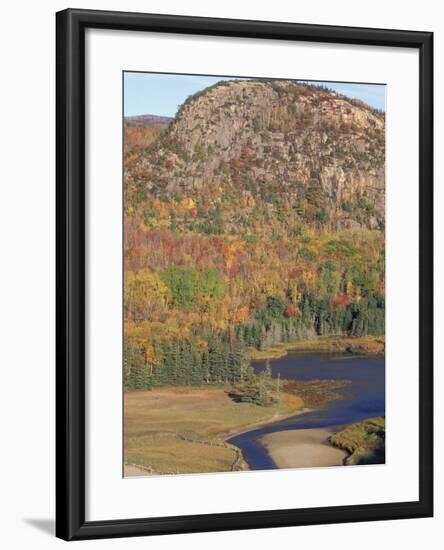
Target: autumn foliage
{"points": [[216, 268]]}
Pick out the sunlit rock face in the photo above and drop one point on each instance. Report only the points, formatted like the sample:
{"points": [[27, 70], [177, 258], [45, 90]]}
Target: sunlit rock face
{"points": [[289, 150]]}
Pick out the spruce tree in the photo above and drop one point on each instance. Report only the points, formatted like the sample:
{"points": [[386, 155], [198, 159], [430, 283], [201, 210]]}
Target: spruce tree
{"points": [[205, 366], [251, 392], [196, 371]]}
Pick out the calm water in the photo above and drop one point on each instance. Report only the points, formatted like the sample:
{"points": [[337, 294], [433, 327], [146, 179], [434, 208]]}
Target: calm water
{"points": [[363, 398]]}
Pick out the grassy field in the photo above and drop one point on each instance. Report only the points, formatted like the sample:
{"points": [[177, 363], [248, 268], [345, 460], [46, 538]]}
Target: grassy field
{"points": [[331, 344], [183, 430]]}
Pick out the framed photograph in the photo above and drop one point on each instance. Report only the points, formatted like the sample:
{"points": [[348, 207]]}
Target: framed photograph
{"points": [[244, 274]]}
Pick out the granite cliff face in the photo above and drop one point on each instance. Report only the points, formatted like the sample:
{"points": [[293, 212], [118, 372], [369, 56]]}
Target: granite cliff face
{"points": [[280, 149]]}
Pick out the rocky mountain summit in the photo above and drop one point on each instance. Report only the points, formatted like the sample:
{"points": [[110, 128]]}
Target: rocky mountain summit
{"points": [[290, 153]]}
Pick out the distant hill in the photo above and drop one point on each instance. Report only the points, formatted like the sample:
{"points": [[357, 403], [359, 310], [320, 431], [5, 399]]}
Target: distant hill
{"points": [[147, 120], [281, 150]]}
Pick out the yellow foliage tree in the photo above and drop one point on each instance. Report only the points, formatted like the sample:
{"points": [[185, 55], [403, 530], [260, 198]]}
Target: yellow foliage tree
{"points": [[145, 295]]}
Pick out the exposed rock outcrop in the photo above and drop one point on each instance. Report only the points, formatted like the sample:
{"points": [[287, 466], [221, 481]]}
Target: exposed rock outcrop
{"points": [[291, 148]]}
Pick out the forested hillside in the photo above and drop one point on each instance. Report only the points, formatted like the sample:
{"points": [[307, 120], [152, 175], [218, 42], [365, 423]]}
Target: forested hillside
{"points": [[255, 217]]}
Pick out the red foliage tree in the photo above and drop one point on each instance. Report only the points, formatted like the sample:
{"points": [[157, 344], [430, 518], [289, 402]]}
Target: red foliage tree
{"points": [[341, 301], [290, 311]]}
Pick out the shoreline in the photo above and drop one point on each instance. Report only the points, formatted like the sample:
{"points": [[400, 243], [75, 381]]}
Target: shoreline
{"points": [[186, 429], [263, 423], [256, 425], [137, 470], [358, 345], [283, 445], [304, 448]]}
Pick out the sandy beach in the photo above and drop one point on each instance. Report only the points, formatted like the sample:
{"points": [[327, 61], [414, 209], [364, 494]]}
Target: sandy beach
{"points": [[302, 449]]}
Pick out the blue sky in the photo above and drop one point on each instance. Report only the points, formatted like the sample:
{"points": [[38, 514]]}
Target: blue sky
{"points": [[162, 94]]}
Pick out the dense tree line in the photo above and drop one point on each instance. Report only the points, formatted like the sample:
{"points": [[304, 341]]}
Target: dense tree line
{"points": [[221, 358], [318, 316], [184, 362]]}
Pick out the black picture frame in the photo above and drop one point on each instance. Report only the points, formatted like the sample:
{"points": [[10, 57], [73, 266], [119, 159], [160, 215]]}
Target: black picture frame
{"points": [[70, 294]]}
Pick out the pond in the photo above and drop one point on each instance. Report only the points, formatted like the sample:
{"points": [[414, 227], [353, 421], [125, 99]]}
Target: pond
{"points": [[363, 398]]}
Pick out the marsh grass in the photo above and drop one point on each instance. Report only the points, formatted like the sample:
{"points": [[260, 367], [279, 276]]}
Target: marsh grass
{"points": [[183, 430], [365, 441], [330, 344]]}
